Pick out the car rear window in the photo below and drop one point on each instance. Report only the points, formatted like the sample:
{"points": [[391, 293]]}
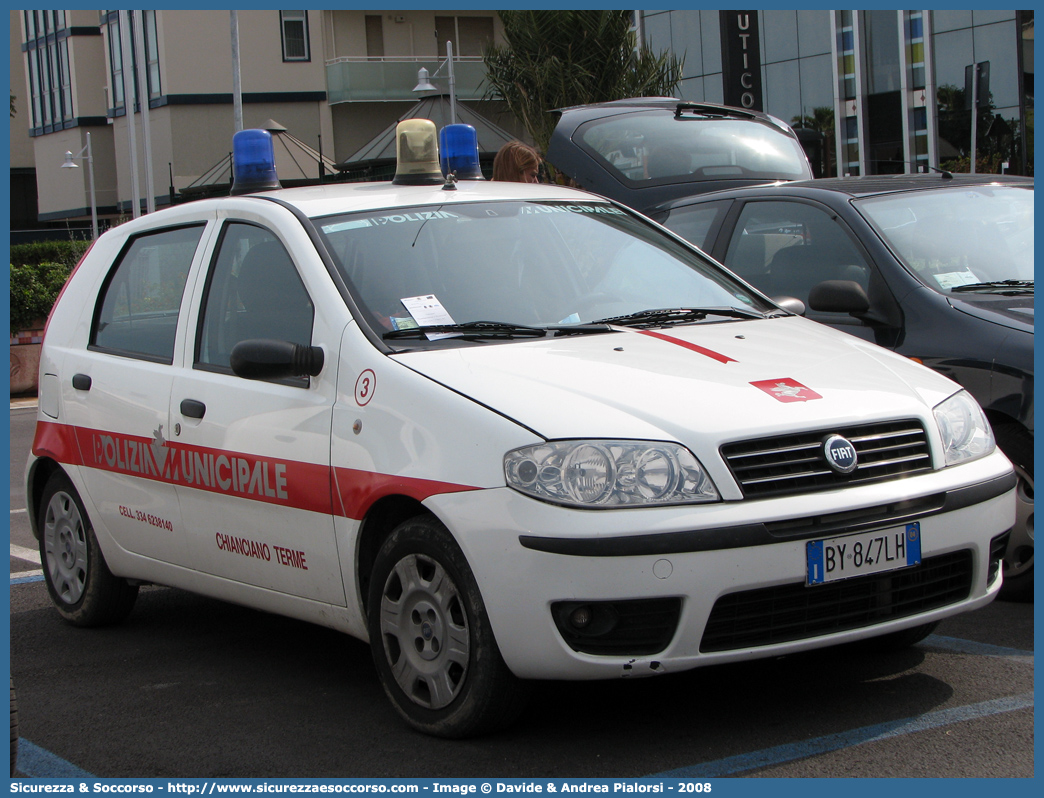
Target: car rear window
{"points": [[657, 146]]}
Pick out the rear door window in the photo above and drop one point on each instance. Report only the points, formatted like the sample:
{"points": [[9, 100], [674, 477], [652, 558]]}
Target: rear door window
{"points": [[137, 311], [698, 224]]}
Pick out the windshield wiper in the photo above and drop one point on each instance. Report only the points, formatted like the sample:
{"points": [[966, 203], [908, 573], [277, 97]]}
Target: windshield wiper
{"points": [[662, 317], [472, 330], [997, 287]]}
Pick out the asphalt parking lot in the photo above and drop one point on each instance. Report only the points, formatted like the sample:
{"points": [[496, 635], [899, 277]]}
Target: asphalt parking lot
{"points": [[195, 687]]}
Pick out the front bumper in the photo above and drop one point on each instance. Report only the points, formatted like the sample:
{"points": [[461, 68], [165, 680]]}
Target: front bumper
{"points": [[532, 559]]}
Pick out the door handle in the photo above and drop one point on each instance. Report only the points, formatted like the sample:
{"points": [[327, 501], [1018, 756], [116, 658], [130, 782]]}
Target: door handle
{"points": [[81, 382], [192, 408]]}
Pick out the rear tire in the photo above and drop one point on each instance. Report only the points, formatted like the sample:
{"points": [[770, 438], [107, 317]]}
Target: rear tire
{"points": [[431, 639], [81, 585]]}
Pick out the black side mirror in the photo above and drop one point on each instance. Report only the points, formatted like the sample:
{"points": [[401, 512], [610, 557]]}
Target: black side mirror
{"points": [[265, 359], [839, 296]]}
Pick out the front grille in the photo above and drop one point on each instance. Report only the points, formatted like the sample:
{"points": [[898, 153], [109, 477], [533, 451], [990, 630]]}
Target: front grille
{"points": [[795, 463], [796, 612], [631, 627]]}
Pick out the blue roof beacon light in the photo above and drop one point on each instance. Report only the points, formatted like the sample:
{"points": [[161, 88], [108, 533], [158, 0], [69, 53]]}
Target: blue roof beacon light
{"points": [[416, 154], [253, 162], [459, 153]]}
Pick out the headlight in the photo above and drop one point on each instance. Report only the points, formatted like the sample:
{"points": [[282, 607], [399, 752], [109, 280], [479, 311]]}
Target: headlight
{"points": [[966, 434], [609, 473]]}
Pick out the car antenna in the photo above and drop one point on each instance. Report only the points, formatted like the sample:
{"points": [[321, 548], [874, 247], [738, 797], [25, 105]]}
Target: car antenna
{"points": [[942, 172]]}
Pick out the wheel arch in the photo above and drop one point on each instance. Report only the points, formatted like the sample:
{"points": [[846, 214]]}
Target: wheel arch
{"points": [[998, 418], [382, 517], [39, 473]]}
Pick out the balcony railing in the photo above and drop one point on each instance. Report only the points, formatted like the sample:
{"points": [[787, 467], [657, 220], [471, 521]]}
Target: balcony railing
{"points": [[361, 79]]}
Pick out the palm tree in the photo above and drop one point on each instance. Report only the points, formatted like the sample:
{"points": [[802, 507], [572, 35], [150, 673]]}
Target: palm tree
{"points": [[554, 59], [820, 120]]}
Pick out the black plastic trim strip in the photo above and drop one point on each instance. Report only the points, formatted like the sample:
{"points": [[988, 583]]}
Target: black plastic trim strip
{"points": [[747, 535], [331, 269]]}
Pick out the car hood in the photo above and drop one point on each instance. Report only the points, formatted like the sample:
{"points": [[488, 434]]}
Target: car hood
{"points": [[699, 384], [1015, 312]]}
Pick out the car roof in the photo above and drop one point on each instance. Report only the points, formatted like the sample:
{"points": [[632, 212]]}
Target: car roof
{"points": [[352, 197], [572, 116], [856, 187], [337, 198]]}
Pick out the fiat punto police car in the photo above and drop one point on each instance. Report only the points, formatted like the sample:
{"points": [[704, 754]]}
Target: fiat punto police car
{"points": [[504, 432]]}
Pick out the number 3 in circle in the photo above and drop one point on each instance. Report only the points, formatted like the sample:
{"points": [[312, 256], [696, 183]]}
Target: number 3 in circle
{"points": [[364, 387]]}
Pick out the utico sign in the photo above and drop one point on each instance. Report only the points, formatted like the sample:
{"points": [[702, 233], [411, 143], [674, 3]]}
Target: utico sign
{"points": [[741, 59]]}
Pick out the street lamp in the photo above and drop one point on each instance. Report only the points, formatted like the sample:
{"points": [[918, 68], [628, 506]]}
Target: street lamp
{"points": [[424, 81], [70, 163]]}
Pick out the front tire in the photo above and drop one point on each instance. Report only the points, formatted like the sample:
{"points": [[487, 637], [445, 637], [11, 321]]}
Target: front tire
{"points": [[431, 639], [81, 585]]}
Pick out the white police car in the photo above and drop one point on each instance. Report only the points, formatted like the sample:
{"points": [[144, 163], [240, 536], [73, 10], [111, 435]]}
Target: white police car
{"points": [[503, 431]]}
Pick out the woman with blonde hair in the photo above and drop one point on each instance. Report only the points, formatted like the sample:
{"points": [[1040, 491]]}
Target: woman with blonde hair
{"points": [[516, 162]]}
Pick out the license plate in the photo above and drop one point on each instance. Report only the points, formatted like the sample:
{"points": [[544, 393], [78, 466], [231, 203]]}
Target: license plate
{"points": [[866, 553]]}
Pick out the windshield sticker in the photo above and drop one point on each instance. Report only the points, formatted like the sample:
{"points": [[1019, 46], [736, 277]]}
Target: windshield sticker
{"points": [[786, 390], [355, 224], [954, 279], [394, 218], [532, 209], [426, 311]]}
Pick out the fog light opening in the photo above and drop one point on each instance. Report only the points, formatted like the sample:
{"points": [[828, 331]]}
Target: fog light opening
{"points": [[581, 617]]}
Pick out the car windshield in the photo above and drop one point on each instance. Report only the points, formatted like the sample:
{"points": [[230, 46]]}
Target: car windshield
{"points": [[539, 264], [657, 146], [960, 240]]}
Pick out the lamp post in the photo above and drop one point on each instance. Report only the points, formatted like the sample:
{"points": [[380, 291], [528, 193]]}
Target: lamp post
{"points": [[424, 81], [70, 163]]}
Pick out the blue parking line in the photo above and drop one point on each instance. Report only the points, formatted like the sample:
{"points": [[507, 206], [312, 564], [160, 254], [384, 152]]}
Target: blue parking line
{"points": [[38, 763], [24, 580], [868, 734]]}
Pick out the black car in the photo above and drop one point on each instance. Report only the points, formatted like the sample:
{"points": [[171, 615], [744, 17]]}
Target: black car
{"points": [[648, 150], [937, 267]]}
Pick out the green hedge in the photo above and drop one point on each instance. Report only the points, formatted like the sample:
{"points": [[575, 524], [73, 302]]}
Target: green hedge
{"points": [[38, 252], [38, 272]]}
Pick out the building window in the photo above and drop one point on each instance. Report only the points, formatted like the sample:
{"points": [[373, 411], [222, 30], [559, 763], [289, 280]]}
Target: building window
{"points": [[919, 128], [293, 26], [152, 72], [115, 62], [47, 62], [846, 56], [850, 145], [915, 48], [152, 54], [374, 37], [470, 35]]}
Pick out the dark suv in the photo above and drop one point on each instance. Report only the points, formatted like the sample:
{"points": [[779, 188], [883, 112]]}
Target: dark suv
{"points": [[648, 150], [936, 267]]}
